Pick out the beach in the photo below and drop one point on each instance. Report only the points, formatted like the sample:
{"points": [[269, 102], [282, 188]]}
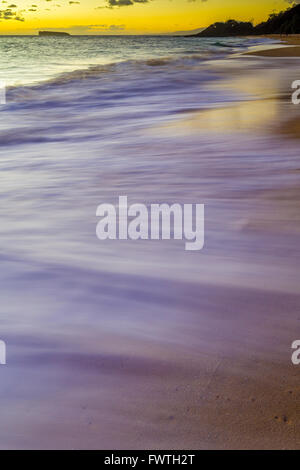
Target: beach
{"points": [[139, 344], [291, 49]]}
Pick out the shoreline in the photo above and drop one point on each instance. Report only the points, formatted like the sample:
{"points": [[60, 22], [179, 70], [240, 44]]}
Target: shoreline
{"points": [[289, 47], [138, 344]]}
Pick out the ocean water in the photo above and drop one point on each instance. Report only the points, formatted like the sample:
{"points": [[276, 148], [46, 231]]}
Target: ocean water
{"points": [[31, 59], [101, 335]]}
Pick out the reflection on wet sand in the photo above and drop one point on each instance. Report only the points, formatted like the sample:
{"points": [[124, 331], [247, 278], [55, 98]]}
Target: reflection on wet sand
{"points": [[291, 128], [252, 116], [269, 110]]}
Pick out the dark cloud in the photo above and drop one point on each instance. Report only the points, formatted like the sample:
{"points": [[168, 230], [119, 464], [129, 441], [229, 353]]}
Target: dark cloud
{"points": [[116, 27], [9, 14], [93, 29], [124, 3]]}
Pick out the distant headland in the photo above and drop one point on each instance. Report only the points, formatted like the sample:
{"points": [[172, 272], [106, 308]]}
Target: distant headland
{"points": [[285, 22], [53, 33]]}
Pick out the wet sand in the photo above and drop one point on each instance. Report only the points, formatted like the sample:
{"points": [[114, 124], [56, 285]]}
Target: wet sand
{"points": [[246, 392], [224, 381], [288, 51]]}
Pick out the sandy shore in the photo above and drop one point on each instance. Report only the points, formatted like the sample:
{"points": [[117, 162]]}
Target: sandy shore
{"points": [[292, 39], [140, 345], [250, 397]]}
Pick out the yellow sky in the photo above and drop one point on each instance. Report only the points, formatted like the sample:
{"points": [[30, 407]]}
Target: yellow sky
{"points": [[121, 17]]}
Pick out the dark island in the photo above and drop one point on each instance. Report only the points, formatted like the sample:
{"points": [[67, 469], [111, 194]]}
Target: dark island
{"points": [[285, 22], [53, 33]]}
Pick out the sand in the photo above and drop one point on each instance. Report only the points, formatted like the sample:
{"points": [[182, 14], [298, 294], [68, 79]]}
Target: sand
{"points": [[292, 48], [289, 51], [248, 397]]}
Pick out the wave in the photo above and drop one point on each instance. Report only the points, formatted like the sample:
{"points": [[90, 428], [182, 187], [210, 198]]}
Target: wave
{"points": [[122, 67]]}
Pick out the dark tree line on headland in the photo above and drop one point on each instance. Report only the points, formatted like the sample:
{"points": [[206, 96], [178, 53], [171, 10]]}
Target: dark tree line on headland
{"points": [[285, 22]]}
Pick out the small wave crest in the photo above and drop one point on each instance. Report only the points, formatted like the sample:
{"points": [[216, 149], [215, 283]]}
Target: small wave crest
{"points": [[187, 58]]}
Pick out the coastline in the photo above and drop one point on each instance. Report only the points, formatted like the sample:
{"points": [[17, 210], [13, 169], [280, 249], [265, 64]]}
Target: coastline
{"points": [[138, 344], [246, 387], [291, 49]]}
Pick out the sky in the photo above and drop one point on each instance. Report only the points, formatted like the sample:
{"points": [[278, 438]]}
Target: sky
{"points": [[127, 16]]}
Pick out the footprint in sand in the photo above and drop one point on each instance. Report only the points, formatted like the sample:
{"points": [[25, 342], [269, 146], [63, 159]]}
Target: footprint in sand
{"points": [[283, 419]]}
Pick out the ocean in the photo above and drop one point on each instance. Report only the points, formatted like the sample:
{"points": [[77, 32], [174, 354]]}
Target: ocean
{"points": [[113, 344]]}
